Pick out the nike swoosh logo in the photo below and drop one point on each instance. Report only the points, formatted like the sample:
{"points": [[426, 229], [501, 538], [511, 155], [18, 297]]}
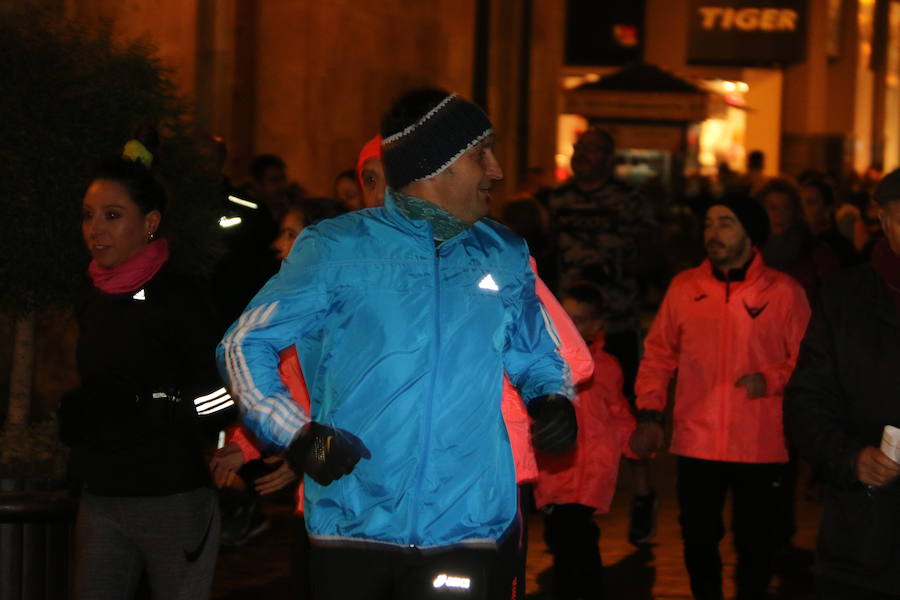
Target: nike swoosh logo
{"points": [[755, 311], [193, 556], [700, 297]]}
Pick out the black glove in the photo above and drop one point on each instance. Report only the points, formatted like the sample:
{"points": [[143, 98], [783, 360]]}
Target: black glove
{"points": [[325, 453], [554, 426]]}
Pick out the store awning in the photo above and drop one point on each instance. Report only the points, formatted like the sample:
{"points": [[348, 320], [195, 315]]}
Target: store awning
{"points": [[640, 92]]}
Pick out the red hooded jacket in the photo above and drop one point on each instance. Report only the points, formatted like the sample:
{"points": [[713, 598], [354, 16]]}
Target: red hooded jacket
{"points": [[587, 475], [714, 332], [576, 354]]}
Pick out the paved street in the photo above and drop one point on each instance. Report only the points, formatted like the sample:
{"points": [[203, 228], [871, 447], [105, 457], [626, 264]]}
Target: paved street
{"points": [[259, 570]]}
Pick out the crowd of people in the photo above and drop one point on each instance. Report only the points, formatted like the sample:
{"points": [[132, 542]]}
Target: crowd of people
{"points": [[422, 376]]}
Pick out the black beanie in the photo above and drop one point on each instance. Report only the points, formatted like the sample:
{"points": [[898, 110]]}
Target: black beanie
{"points": [[750, 213], [888, 189], [433, 142]]}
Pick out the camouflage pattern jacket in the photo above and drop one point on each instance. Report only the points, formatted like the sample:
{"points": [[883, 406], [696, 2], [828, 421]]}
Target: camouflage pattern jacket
{"points": [[597, 234]]}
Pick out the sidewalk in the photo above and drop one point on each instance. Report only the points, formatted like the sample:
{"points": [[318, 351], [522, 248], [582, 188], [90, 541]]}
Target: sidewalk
{"points": [[657, 572], [260, 569]]}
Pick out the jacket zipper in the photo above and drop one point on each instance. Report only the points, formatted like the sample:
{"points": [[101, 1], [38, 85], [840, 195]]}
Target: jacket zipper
{"points": [[426, 427], [724, 411]]}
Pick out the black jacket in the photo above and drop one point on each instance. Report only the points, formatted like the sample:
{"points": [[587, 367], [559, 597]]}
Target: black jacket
{"points": [[845, 389], [144, 357]]}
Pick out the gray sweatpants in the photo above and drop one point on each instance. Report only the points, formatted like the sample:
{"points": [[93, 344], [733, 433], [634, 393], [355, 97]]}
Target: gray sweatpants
{"points": [[174, 539]]}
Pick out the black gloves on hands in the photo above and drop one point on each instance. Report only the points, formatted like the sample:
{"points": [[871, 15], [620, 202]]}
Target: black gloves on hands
{"points": [[554, 426], [325, 453]]}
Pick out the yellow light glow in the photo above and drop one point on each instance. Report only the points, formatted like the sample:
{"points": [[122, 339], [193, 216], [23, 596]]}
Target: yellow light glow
{"points": [[721, 140], [569, 127], [573, 81]]}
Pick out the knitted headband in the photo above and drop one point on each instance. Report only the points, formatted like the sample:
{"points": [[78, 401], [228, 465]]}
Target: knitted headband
{"points": [[434, 142]]}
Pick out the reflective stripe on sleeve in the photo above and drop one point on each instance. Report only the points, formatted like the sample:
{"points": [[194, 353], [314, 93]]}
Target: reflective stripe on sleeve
{"points": [[222, 405], [214, 402], [216, 394]]}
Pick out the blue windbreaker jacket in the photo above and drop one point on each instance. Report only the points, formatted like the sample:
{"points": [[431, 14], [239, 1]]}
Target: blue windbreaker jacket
{"points": [[404, 345]]}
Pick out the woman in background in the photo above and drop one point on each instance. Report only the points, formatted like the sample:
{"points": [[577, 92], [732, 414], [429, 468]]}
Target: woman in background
{"points": [[150, 402], [300, 213], [347, 191]]}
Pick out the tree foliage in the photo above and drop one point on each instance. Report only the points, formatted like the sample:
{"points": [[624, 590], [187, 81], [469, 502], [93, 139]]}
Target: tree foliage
{"points": [[70, 98]]}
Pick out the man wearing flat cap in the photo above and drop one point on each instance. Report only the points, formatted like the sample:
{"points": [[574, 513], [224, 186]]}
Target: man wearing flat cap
{"points": [[845, 390], [405, 318], [731, 329]]}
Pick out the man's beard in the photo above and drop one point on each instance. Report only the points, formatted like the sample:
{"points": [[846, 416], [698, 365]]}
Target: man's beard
{"points": [[728, 256], [720, 258]]}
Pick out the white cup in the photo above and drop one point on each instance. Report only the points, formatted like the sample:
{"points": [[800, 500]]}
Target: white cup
{"points": [[890, 443]]}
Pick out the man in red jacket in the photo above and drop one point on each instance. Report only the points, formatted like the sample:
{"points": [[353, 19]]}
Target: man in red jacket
{"points": [[731, 328]]}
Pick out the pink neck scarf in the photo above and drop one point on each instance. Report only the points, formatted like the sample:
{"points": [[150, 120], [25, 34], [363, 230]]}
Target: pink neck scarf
{"points": [[133, 273]]}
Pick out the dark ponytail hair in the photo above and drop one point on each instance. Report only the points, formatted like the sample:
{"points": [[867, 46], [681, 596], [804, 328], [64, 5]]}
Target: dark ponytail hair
{"points": [[143, 187]]}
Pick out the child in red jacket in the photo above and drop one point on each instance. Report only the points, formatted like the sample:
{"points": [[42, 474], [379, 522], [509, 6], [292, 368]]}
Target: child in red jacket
{"points": [[571, 487]]}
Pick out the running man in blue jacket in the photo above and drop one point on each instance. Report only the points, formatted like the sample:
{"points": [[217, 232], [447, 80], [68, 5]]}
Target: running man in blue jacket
{"points": [[405, 318]]}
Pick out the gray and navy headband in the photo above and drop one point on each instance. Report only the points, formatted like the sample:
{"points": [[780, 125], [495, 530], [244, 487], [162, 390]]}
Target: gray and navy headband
{"points": [[434, 142]]}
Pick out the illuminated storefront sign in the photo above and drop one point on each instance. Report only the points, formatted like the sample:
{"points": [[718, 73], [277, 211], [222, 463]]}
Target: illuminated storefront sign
{"points": [[747, 32], [614, 104]]}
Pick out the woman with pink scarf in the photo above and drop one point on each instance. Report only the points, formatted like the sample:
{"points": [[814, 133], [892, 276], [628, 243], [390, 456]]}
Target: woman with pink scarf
{"points": [[150, 401]]}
